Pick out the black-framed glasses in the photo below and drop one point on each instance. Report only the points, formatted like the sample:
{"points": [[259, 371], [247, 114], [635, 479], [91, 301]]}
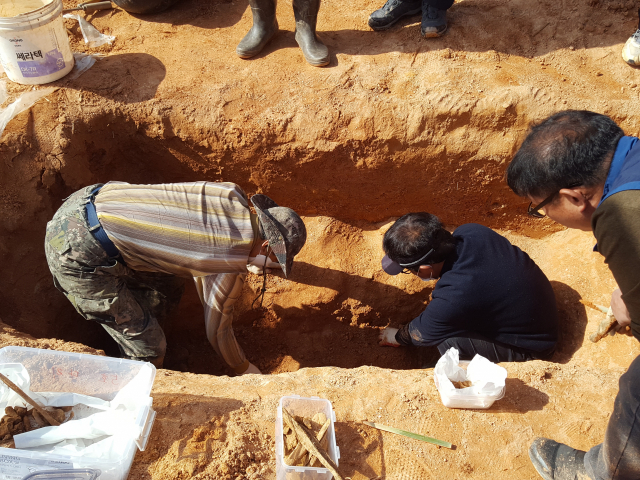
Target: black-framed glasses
{"points": [[409, 271], [535, 211]]}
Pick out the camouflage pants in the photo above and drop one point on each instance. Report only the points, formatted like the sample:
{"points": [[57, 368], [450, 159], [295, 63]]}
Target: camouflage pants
{"points": [[129, 304]]}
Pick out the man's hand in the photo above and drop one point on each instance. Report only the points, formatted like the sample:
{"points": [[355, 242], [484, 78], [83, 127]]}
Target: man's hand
{"points": [[619, 308], [256, 269], [388, 337], [252, 369]]}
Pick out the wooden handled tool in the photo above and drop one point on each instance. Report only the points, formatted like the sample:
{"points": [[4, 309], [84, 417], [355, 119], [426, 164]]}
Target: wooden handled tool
{"points": [[52, 421], [606, 325], [90, 7]]}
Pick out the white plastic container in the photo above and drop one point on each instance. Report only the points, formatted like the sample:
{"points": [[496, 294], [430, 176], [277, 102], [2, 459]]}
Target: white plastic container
{"points": [[102, 377], [34, 46], [306, 407], [457, 399]]}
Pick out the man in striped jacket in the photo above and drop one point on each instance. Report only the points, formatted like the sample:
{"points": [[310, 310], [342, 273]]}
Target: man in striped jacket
{"points": [[121, 252]]}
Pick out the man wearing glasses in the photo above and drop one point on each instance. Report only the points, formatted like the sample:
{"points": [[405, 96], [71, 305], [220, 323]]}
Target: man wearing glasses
{"points": [[579, 169], [491, 298]]}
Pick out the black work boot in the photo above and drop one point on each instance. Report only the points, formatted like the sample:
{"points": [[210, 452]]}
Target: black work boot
{"points": [[434, 21], [264, 28], [392, 11], [306, 12], [557, 461]]}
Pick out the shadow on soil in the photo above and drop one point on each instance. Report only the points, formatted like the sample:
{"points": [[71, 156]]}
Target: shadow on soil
{"points": [[207, 14], [359, 442], [195, 422], [341, 333], [521, 398], [126, 77], [573, 322]]}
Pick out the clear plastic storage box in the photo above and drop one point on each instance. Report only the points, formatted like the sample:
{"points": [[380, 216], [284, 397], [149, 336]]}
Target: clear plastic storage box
{"points": [[306, 407], [102, 377]]}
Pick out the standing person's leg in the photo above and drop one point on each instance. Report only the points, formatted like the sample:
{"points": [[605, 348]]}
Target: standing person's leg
{"points": [[631, 49], [264, 27], [472, 343], [158, 294], [618, 457], [392, 11], [96, 284], [315, 52], [434, 17]]}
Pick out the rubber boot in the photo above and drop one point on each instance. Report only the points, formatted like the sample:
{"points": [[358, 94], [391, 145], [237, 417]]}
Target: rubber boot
{"points": [[306, 12], [265, 26]]}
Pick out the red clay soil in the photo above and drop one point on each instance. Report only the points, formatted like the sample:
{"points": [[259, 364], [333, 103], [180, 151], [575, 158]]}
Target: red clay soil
{"points": [[395, 123]]}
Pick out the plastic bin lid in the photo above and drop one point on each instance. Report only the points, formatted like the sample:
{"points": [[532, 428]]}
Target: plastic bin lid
{"points": [[68, 474]]}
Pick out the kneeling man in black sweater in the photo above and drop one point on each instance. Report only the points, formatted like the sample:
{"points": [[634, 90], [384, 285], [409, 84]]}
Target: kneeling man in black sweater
{"points": [[491, 298]]}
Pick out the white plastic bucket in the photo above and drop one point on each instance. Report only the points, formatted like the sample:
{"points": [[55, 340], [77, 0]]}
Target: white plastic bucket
{"points": [[34, 46]]}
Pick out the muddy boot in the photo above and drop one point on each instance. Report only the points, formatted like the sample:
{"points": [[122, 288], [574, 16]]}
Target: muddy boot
{"points": [[631, 49], [557, 461], [306, 12], [264, 28]]}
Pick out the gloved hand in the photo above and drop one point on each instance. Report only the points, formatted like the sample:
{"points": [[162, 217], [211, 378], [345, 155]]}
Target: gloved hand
{"points": [[252, 369], [256, 269], [387, 337]]}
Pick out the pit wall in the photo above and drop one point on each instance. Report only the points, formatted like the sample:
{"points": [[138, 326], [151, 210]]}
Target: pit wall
{"points": [[357, 175], [452, 168]]}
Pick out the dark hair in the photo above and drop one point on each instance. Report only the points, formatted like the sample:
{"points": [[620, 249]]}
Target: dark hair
{"points": [[413, 235], [568, 148]]}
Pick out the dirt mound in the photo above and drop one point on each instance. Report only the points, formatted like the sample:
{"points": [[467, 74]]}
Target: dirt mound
{"points": [[12, 337]]}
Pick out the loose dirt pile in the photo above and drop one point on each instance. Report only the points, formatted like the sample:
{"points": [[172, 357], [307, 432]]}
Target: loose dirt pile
{"points": [[394, 124]]}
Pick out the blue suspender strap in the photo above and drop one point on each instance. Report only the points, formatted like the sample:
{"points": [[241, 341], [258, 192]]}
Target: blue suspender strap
{"points": [[96, 229]]}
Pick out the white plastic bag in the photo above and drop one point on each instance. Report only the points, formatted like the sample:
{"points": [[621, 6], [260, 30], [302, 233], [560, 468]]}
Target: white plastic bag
{"points": [[83, 62], [487, 378], [22, 103], [92, 37], [100, 429]]}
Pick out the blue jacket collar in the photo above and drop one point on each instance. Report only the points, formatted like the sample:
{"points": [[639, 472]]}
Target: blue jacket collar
{"points": [[624, 146], [617, 162]]}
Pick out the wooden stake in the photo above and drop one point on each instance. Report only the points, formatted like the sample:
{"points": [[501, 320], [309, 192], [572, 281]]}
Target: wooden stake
{"points": [[311, 444], [29, 400], [589, 304]]}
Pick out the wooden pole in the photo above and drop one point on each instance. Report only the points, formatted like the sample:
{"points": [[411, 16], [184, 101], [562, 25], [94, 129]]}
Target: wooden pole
{"points": [[52, 421]]}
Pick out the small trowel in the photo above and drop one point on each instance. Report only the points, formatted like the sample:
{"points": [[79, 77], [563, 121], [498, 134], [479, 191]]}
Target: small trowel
{"points": [[606, 325], [90, 7]]}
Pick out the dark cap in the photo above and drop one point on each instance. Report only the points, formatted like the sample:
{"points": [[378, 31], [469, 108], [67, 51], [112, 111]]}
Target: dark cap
{"points": [[391, 267], [283, 228]]}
